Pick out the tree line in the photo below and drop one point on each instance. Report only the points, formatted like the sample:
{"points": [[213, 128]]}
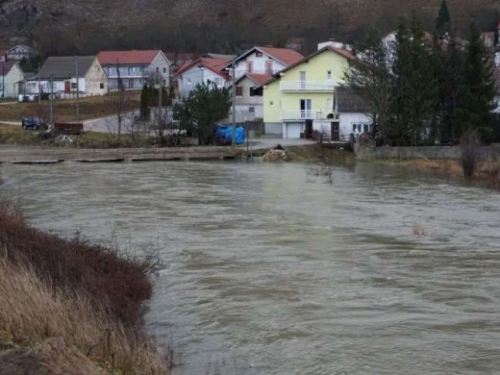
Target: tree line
{"points": [[423, 88]]}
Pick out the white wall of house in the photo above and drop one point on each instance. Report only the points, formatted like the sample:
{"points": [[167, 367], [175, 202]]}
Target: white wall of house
{"points": [[197, 75], [353, 122], [11, 80], [257, 65], [161, 65], [96, 81], [248, 108]]}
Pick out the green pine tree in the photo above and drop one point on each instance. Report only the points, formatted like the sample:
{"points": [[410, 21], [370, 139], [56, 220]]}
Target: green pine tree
{"points": [[415, 84], [479, 89], [443, 21], [450, 74], [144, 102]]}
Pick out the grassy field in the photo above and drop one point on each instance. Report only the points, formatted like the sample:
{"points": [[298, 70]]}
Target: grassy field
{"points": [[15, 135], [65, 110]]}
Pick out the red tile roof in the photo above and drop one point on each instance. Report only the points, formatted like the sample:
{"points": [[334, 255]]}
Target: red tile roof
{"points": [[127, 57], [260, 79], [285, 55], [215, 65]]}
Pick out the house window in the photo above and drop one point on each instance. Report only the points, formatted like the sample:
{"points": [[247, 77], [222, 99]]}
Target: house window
{"points": [[142, 69], [239, 91], [101, 86], [258, 54], [252, 91], [366, 128], [251, 109], [189, 80], [164, 82], [269, 67], [73, 85], [157, 70], [329, 75], [130, 83], [164, 70], [249, 67], [271, 103]]}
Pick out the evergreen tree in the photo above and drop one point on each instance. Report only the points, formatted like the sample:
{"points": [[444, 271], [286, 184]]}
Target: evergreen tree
{"points": [[415, 84], [450, 66], [443, 21], [144, 102], [479, 89]]}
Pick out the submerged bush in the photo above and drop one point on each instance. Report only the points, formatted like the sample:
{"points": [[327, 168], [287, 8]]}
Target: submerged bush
{"points": [[470, 158]]}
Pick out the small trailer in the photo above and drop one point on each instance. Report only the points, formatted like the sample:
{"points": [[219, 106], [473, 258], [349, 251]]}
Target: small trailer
{"points": [[68, 127]]}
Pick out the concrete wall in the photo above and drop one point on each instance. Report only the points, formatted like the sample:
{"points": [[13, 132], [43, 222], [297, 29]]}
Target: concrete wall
{"points": [[274, 129], [12, 80], [161, 65], [430, 152], [96, 81]]}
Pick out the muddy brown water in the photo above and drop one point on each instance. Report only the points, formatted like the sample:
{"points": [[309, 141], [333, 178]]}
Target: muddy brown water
{"points": [[272, 271]]}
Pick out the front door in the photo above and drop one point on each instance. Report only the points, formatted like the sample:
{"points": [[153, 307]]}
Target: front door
{"points": [[306, 108], [335, 131], [67, 86]]}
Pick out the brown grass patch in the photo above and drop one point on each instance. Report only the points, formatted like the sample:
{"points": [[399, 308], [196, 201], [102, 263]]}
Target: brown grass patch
{"points": [[65, 110], [34, 310], [99, 274]]}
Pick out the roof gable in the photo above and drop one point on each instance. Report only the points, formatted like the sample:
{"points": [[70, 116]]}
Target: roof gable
{"points": [[343, 53], [6, 67], [127, 57], [215, 65], [63, 67], [286, 56]]}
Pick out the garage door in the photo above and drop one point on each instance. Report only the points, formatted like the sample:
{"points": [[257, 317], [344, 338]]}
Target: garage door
{"points": [[293, 130]]}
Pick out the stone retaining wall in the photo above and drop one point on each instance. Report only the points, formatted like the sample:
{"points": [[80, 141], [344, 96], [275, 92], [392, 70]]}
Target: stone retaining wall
{"points": [[40, 154], [429, 152]]}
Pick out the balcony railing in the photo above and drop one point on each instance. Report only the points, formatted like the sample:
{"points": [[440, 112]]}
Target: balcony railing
{"points": [[308, 114], [268, 72], [314, 86]]}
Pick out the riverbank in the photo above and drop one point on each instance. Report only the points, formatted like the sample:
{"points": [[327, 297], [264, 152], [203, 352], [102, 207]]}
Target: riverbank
{"points": [[70, 305], [487, 174]]}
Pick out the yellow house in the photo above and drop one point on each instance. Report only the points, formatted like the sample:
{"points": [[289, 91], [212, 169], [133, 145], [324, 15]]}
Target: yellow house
{"points": [[302, 97]]}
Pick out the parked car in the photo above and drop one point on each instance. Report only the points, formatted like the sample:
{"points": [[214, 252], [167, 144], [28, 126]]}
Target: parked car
{"points": [[32, 123]]}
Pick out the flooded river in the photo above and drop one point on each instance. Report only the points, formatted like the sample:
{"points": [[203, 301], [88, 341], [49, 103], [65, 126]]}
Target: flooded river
{"points": [[272, 271]]}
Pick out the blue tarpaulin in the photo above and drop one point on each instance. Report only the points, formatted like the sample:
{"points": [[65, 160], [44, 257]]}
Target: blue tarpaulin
{"points": [[225, 134]]}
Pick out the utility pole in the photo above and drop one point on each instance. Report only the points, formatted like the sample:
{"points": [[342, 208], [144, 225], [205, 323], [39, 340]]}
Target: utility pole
{"points": [[52, 99], [39, 85], [3, 81], [77, 91], [234, 104]]}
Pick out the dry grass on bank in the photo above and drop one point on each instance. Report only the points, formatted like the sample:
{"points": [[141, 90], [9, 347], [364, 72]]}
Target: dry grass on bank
{"points": [[90, 270], [85, 294], [486, 173], [65, 110], [33, 311]]}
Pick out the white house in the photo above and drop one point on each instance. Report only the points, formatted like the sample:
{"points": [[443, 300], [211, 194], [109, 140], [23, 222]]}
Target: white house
{"points": [[263, 61], [66, 72], [203, 70], [252, 69], [134, 67], [19, 52], [11, 77], [248, 103], [354, 114]]}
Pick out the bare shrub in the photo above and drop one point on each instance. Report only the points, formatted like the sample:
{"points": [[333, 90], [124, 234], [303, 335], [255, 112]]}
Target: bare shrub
{"points": [[97, 273], [34, 310], [471, 157]]}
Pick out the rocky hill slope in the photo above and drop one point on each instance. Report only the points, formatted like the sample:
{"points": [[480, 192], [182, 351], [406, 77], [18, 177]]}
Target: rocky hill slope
{"points": [[37, 20]]}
